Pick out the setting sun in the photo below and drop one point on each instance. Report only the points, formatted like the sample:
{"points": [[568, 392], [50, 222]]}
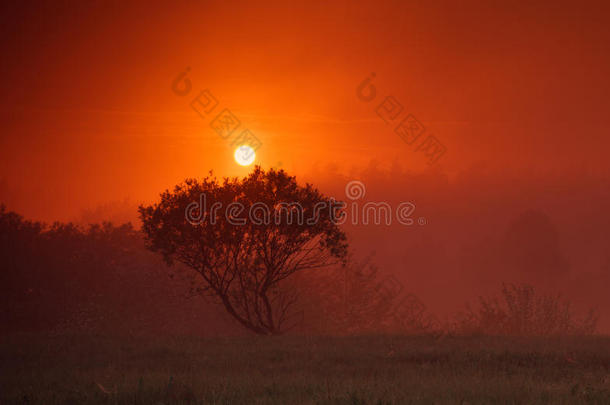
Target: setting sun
{"points": [[244, 155]]}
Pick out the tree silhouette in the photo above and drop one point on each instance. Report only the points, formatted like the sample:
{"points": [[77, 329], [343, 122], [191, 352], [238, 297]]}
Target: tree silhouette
{"points": [[244, 237]]}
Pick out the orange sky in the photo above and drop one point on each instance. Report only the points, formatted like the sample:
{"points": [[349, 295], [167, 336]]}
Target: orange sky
{"points": [[516, 92], [89, 115]]}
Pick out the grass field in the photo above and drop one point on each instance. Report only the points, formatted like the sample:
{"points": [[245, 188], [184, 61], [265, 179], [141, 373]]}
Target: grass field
{"points": [[304, 370]]}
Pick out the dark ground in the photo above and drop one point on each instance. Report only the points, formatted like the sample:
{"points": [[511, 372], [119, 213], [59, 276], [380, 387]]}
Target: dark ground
{"points": [[304, 370]]}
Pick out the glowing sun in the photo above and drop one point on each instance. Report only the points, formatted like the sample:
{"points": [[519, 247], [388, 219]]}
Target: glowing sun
{"points": [[244, 155]]}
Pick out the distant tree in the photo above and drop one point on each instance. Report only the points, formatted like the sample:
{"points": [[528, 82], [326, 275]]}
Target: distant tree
{"points": [[531, 251], [242, 255]]}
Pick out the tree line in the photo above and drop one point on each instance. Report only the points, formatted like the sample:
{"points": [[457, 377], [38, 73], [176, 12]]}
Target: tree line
{"points": [[267, 278]]}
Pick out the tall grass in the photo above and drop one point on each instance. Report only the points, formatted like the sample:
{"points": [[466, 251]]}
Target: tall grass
{"points": [[304, 370]]}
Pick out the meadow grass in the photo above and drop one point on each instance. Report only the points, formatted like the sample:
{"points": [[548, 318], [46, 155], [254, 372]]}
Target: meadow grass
{"points": [[304, 370]]}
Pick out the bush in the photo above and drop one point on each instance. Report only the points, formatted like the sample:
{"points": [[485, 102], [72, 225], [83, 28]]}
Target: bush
{"points": [[358, 299], [520, 311]]}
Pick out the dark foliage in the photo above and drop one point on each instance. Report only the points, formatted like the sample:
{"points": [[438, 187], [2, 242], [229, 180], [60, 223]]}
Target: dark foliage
{"points": [[95, 278]]}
